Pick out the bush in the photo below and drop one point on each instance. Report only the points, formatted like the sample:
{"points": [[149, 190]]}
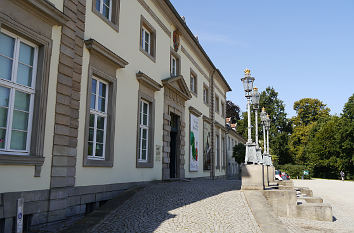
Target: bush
{"points": [[295, 170], [239, 153]]}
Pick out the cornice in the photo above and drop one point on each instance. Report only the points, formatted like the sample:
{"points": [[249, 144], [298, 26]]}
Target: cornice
{"points": [[94, 46], [147, 81], [195, 111]]}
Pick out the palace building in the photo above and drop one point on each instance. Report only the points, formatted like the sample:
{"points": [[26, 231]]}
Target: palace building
{"points": [[100, 95]]}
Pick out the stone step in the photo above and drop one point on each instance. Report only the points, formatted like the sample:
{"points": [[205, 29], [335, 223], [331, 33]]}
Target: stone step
{"points": [[315, 211], [310, 199]]}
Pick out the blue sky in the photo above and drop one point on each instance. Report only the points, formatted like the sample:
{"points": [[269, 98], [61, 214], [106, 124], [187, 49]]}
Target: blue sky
{"points": [[302, 48]]}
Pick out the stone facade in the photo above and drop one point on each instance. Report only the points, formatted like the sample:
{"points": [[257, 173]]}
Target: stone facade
{"points": [[76, 42]]}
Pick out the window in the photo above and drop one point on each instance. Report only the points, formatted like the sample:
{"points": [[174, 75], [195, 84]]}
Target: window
{"points": [[217, 148], [228, 142], [222, 109], [173, 66], [193, 83], [217, 107], [205, 95], [18, 67], [105, 8], [98, 119], [144, 131], [223, 162], [108, 11], [147, 39]]}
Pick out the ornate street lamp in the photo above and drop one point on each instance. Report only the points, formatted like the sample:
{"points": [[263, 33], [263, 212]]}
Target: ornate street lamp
{"points": [[255, 100], [268, 127], [248, 87], [263, 121]]}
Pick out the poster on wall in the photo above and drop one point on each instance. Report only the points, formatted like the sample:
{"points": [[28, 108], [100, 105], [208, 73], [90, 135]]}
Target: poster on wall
{"points": [[206, 146], [193, 143]]}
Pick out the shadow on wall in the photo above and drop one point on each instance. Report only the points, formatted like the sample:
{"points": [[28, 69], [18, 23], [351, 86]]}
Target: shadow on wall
{"points": [[149, 208]]}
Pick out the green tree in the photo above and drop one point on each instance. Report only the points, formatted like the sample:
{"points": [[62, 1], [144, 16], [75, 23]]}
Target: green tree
{"points": [[233, 111], [309, 110], [348, 111]]}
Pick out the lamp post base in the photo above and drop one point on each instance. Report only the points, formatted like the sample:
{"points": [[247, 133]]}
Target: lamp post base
{"points": [[259, 156], [252, 177], [251, 154]]}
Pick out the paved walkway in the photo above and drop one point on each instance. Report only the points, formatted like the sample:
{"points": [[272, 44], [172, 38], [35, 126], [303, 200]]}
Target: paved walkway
{"points": [[196, 206], [337, 193]]}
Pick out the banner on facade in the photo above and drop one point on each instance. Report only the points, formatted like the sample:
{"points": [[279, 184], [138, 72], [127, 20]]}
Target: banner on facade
{"points": [[193, 143], [206, 146]]}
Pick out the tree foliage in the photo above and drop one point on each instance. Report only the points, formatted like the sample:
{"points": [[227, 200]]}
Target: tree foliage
{"points": [[309, 110], [239, 152], [348, 111], [233, 111]]}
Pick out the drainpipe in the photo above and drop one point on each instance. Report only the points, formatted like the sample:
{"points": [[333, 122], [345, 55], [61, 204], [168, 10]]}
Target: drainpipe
{"points": [[212, 116]]}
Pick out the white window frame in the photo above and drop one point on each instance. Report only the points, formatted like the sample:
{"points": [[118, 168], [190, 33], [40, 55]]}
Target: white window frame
{"points": [[13, 86], [109, 8], [173, 65], [217, 107], [144, 127], [144, 31], [205, 95], [193, 83], [96, 113]]}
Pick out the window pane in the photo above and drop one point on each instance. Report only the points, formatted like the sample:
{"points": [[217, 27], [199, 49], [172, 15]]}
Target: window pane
{"points": [[22, 101], [90, 134], [106, 2], [18, 140], [6, 45], [24, 75], [4, 96], [98, 4], [92, 120], [143, 154], [145, 119], [102, 89], [5, 68], [26, 54], [90, 147], [143, 146], [144, 136], [20, 120], [145, 108], [105, 11], [2, 138], [93, 101], [93, 86], [101, 104], [100, 122], [99, 136], [3, 117], [99, 150]]}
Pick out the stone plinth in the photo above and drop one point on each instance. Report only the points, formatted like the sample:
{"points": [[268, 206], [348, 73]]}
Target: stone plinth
{"points": [[266, 175], [252, 177], [271, 172]]}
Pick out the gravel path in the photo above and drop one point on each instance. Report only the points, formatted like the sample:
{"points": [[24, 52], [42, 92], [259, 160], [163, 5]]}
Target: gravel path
{"points": [[196, 206], [341, 197]]}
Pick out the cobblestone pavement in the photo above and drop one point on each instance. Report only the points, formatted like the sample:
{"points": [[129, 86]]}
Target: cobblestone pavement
{"points": [[196, 206], [341, 197]]}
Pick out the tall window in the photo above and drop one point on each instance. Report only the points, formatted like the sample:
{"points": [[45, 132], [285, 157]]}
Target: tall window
{"points": [[98, 119], [205, 95], [217, 107], [193, 84], [146, 40], [173, 65], [18, 66], [222, 109], [144, 131], [105, 8]]}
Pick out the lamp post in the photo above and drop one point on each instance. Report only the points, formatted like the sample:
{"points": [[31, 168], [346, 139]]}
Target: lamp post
{"points": [[268, 127], [263, 120], [250, 146], [255, 100], [248, 86]]}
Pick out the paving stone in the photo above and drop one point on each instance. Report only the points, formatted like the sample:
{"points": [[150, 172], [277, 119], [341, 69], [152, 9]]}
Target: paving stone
{"points": [[196, 206]]}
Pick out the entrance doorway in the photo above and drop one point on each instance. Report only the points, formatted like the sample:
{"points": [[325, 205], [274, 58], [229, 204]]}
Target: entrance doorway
{"points": [[174, 146]]}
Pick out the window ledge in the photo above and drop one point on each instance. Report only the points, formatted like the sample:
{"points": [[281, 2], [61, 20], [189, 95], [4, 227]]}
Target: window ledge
{"points": [[195, 94], [20, 160], [148, 55], [110, 23], [144, 165], [97, 163]]}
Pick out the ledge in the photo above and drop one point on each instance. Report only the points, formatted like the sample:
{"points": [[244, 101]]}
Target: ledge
{"points": [[207, 119], [45, 8], [98, 48], [195, 111], [97, 163], [20, 160], [222, 127], [147, 81]]}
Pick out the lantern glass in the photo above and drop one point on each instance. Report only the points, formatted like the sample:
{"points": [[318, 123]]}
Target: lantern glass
{"points": [[247, 84], [256, 96]]}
